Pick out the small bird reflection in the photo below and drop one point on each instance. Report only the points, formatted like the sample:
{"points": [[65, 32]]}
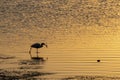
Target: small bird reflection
{"points": [[32, 62]]}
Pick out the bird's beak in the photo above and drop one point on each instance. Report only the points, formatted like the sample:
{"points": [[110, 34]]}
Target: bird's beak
{"points": [[46, 46]]}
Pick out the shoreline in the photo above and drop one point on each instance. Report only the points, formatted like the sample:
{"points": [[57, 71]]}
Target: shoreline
{"points": [[91, 77], [9, 74]]}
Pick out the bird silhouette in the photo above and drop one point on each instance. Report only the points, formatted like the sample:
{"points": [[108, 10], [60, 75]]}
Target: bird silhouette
{"points": [[37, 46], [98, 60]]}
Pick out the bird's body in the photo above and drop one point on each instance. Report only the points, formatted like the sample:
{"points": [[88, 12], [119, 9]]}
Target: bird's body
{"points": [[36, 45]]}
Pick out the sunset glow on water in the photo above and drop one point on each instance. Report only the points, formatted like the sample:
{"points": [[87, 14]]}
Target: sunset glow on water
{"points": [[77, 32]]}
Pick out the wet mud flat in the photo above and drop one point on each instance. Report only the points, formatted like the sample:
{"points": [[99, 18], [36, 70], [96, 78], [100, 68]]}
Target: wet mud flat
{"points": [[88, 77], [21, 69], [18, 75]]}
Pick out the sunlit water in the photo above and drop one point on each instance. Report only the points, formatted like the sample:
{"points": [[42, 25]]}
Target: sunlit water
{"points": [[77, 32], [71, 57]]}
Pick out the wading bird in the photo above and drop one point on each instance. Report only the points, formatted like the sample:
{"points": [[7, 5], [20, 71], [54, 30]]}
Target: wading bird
{"points": [[36, 45]]}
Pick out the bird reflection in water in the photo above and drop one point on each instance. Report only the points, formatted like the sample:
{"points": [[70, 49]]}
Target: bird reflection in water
{"points": [[39, 60], [33, 61]]}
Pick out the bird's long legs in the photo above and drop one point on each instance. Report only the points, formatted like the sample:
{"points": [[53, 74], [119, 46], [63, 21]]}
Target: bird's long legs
{"points": [[37, 52], [30, 52]]}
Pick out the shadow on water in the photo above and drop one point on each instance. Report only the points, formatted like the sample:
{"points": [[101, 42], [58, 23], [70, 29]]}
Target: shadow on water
{"points": [[6, 57]]}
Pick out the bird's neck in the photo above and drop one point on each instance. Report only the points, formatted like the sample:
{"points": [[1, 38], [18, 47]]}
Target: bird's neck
{"points": [[41, 45]]}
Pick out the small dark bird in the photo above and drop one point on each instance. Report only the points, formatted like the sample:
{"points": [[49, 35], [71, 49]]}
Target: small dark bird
{"points": [[36, 45], [98, 60]]}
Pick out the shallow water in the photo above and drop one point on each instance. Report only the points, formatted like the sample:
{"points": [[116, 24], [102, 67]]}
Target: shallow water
{"points": [[77, 32], [70, 57], [66, 64]]}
